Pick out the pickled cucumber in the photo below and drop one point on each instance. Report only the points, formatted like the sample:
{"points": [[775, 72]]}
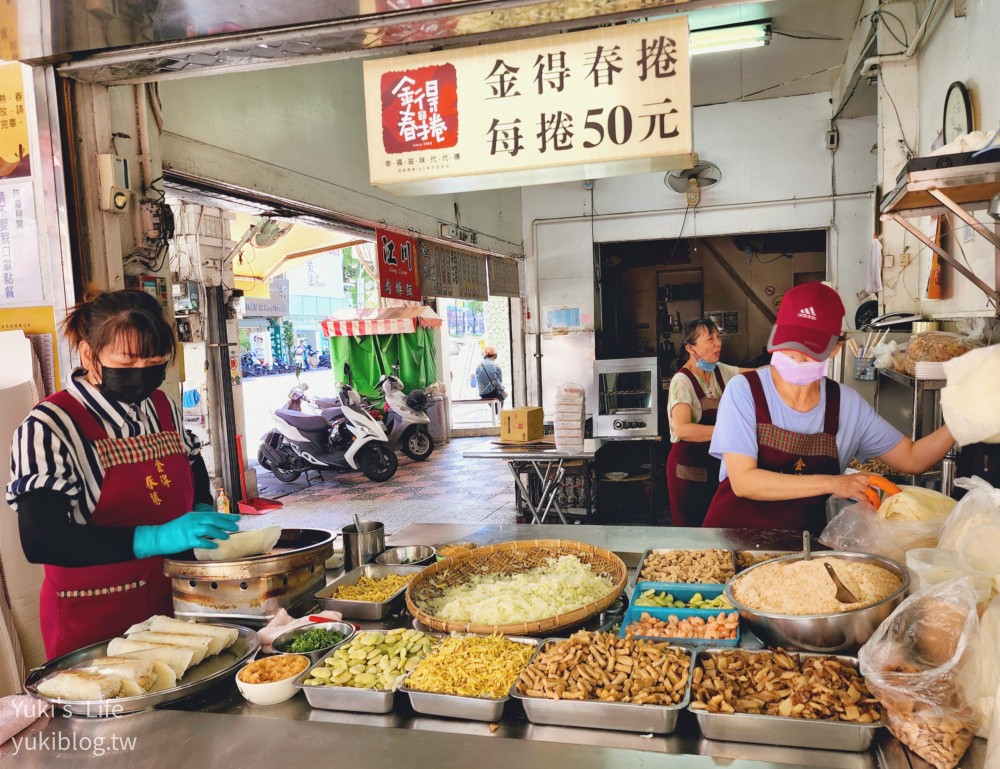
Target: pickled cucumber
{"points": [[666, 600], [372, 660]]}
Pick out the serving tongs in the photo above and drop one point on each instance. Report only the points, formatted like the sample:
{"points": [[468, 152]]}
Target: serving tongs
{"points": [[877, 483]]}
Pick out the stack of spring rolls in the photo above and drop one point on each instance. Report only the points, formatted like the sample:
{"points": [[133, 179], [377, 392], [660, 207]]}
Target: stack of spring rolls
{"points": [[151, 657]]}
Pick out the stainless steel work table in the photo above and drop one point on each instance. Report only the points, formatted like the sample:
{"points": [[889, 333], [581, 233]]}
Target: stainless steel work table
{"points": [[219, 729], [545, 461]]}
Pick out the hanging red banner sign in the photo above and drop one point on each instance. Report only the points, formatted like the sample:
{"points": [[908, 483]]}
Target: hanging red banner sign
{"points": [[397, 265]]}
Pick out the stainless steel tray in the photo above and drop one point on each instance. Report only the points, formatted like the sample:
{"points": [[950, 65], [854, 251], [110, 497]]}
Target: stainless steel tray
{"points": [[645, 554], [365, 609], [347, 697], [459, 706], [198, 678], [590, 714], [769, 553], [788, 732]]}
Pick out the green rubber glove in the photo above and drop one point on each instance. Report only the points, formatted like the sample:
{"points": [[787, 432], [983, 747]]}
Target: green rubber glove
{"points": [[195, 529]]}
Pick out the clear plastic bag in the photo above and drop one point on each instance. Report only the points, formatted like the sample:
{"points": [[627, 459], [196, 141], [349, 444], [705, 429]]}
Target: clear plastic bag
{"points": [[884, 352], [989, 671], [981, 506], [858, 528], [922, 665], [935, 347]]}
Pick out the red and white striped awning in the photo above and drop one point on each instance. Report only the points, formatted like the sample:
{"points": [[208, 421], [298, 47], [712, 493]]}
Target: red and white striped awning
{"points": [[393, 320]]}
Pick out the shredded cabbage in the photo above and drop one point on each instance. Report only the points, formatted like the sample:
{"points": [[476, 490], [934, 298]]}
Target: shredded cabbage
{"points": [[562, 585]]}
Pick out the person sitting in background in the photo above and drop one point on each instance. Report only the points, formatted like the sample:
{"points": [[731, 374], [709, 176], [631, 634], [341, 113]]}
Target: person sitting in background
{"points": [[489, 377]]}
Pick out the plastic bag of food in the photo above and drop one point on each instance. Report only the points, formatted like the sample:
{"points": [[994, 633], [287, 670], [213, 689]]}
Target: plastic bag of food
{"points": [[979, 507], [884, 351], [859, 528], [989, 669], [935, 347], [915, 503], [922, 665], [968, 402]]}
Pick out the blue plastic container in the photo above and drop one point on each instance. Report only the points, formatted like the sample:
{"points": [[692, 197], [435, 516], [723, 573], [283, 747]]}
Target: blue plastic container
{"points": [[682, 592]]}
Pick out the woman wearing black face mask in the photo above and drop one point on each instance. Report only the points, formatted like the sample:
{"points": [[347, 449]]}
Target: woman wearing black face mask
{"points": [[104, 480]]}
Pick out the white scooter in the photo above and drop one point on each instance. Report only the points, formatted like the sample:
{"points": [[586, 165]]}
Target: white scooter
{"points": [[343, 436], [406, 420]]}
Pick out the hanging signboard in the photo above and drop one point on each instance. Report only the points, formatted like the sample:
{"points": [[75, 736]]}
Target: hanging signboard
{"points": [[505, 276], [584, 105], [452, 271], [275, 305], [397, 265]]}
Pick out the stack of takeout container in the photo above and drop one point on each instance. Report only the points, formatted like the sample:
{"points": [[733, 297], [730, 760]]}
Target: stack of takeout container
{"points": [[570, 416]]}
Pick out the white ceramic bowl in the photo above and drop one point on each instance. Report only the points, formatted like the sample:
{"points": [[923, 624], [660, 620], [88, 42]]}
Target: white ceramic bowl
{"points": [[272, 692]]}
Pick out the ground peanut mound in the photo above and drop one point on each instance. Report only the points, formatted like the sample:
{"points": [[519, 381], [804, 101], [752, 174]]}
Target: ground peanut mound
{"points": [[805, 587]]}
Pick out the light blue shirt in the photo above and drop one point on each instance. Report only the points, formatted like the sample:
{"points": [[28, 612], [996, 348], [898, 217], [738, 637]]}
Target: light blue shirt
{"points": [[488, 376], [862, 433]]}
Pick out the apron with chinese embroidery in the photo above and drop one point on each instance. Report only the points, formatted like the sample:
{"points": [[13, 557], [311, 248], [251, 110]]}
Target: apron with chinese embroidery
{"points": [[693, 473], [147, 482], [783, 451]]}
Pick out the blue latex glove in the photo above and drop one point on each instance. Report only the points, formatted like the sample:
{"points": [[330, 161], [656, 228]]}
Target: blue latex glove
{"points": [[196, 529]]}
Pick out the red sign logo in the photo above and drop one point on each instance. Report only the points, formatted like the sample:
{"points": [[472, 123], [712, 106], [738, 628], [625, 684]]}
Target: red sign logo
{"points": [[397, 265], [420, 109]]}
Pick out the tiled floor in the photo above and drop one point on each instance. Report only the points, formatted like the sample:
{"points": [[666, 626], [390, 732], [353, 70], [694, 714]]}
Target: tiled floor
{"points": [[444, 489]]}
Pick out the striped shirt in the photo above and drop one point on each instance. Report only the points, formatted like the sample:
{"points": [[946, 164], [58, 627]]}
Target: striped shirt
{"points": [[49, 450]]}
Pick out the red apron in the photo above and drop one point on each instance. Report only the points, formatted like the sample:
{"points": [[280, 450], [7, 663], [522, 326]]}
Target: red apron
{"points": [[782, 451], [693, 473], [147, 482]]}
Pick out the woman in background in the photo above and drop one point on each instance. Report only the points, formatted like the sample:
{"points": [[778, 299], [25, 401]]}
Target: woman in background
{"points": [[695, 391]]}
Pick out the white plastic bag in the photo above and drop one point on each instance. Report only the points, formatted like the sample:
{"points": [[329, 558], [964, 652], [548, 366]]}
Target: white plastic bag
{"points": [[922, 665], [989, 671], [858, 528], [980, 507], [884, 352], [993, 745]]}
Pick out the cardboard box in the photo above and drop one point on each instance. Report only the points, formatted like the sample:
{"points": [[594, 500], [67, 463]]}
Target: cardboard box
{"points": [[521, 425]]}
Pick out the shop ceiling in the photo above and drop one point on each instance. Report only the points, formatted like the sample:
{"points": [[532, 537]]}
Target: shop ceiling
{"points": [[125, 41]]}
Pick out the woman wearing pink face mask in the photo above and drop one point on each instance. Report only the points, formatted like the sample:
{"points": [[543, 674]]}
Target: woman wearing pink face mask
{"points": [[786, 433]]}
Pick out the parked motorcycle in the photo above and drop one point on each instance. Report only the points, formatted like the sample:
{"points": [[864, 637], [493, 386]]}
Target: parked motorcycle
{"points": [[406, 421], [342, 437], [324, 361], [247, 365]]}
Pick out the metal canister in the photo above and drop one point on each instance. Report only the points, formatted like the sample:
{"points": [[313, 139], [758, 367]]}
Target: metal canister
{"points": [[948, 472], [364, 546]]}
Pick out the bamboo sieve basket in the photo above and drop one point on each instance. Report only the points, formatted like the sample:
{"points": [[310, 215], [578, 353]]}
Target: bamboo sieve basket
{"points": [[505, 559]]}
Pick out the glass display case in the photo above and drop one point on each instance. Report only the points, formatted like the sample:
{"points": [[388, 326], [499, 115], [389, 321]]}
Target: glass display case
{"points": [[627, 400]]}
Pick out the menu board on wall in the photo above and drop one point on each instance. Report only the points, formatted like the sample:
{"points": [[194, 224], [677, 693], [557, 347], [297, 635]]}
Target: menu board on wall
{"points": [[505, 276], [451, 271], [587, 104]]}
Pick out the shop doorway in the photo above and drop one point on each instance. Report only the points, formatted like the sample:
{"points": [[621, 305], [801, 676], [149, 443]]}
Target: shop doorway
{"points": [[650, 289], [469, 328]]}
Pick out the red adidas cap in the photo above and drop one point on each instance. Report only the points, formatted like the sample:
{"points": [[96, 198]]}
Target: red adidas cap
{"points": [[809, 320]]}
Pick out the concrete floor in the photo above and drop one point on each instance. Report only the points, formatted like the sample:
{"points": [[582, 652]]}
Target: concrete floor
{"points": [[444, 489]]}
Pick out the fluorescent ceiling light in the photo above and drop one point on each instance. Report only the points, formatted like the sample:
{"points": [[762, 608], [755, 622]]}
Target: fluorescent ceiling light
{"points": [[734, 37]]}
